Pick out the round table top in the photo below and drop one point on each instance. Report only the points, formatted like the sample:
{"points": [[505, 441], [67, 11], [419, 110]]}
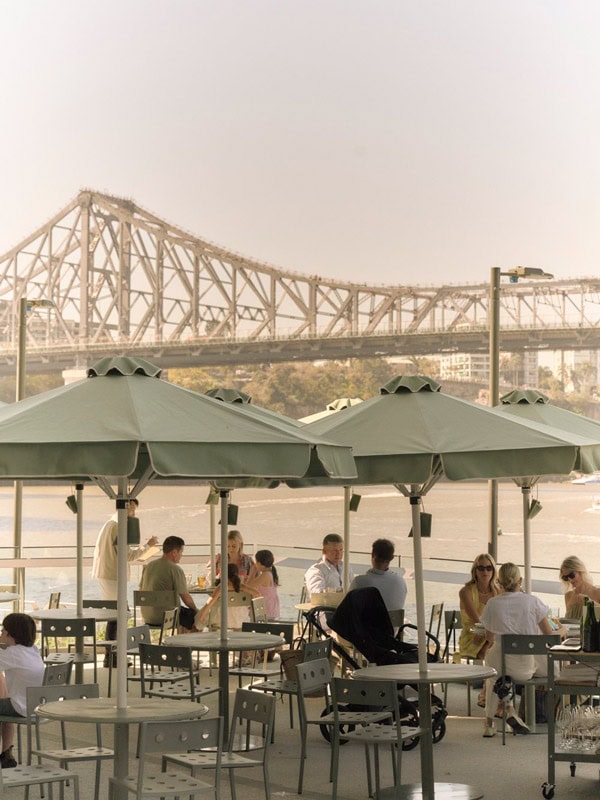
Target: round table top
{"points": [[104, 709], [236, 640], [436, 673], [304, 606], [8, 597], [99, 614]]}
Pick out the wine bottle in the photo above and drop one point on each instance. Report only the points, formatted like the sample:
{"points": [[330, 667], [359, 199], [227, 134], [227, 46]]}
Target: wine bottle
{"points": [[589, 627]]}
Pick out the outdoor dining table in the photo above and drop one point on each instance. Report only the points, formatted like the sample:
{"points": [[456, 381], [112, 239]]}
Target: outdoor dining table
{"points": [[8, 597], [435, 673], [104, 710], [213, 642]]}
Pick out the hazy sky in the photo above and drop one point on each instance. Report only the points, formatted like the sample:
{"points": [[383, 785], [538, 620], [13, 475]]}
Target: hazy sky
{"points": [[386, 141]]}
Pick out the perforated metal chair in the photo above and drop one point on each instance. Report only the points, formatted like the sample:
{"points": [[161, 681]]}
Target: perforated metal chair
{"points": [[172, 669], [524, 645], [160, 600], [311, 651], [250, 737], [38, 775], [80, 631], [64, 755], [376, 698], [258, 607], [265, 668], [176, 737]]}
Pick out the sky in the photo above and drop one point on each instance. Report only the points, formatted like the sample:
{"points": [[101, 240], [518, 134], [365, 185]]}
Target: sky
{"points": [[379, 141]]}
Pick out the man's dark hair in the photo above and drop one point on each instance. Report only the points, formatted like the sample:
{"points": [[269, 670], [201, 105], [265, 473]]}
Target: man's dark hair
{"points": [[332, 538], [21, 627], [172, 543], [383, 550]]}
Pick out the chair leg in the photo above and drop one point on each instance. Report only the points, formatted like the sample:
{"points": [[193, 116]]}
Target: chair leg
{"points": [[232, 784]]}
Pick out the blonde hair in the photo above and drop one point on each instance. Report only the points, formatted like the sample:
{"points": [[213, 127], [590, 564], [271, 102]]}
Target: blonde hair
{"points": [[494, 579], [236, 536], [574, 564], [509, 576]]}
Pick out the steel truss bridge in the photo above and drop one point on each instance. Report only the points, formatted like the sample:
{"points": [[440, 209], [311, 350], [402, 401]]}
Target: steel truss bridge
{"points": [[123, 280]]}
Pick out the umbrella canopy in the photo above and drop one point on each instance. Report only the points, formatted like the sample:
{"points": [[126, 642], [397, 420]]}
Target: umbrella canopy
{"points": [[122, 422], [533, 406], [412, 434], [336, 405]]}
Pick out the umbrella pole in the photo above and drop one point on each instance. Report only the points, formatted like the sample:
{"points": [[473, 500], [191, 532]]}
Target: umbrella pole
{"points": [[79, 497], [223, 654], [122, 502], [213, 556], [526, 494], [427, 779], [347, 494]]}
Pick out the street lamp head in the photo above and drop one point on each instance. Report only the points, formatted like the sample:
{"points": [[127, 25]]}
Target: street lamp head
{"points": [[534, 273], [40, 304]]}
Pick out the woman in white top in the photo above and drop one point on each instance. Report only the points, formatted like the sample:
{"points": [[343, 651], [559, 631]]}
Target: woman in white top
{"points": [[512, 612]]}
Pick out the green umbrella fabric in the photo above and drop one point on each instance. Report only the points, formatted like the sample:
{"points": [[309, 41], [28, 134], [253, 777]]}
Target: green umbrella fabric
{"points": [[412, 432], [339, 404], [122, 419], [533, 406]]}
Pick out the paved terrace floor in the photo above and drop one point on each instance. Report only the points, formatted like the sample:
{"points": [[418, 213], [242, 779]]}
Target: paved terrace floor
{"points": [[515, 771]]}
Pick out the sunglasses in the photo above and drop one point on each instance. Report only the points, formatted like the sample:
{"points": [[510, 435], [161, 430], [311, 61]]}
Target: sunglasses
{"points": [[485, 568], [569, 577]]}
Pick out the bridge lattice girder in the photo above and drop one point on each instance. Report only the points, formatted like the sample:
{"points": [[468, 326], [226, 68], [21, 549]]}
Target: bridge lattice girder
{"points": [[122, 277]]}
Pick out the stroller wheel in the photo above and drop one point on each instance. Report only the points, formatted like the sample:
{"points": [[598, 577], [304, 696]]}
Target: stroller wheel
{"points": [[410, 719], [438, 730], [326, 729]]}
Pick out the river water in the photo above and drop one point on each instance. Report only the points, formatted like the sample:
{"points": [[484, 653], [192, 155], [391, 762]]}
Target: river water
{"points": [[292, 523]]}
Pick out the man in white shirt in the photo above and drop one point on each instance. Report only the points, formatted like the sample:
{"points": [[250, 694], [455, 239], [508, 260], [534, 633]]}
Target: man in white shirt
{"points": [[104, 564], [390, 583], [327, 575]]}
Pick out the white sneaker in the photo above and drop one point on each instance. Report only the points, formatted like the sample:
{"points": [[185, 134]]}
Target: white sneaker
{"points": [[489, 731]]}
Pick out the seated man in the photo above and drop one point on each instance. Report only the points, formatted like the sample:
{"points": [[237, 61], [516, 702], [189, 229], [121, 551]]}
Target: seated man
{"points": [[390, 583], [327, 575], [165, 574]]}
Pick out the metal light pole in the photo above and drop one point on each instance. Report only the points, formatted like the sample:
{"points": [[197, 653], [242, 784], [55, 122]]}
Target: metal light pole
{"points": [[494, 322], [19, 572]]}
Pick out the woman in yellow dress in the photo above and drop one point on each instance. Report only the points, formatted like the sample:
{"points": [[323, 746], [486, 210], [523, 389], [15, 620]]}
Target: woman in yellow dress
{"points": [[473, 597]]}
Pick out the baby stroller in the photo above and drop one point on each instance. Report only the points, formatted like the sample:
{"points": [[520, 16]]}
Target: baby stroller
{"points": [[362, 619]]}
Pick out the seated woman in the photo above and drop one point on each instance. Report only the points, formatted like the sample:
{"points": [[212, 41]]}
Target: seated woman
{"points": [[235, 555], [263, 577], [578, 584], [473, 597], [236, 614], [22, 666], [512, 612]]}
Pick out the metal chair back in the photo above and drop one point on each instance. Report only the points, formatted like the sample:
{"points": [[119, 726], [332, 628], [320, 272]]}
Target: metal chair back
{"points": [[156, 599]]}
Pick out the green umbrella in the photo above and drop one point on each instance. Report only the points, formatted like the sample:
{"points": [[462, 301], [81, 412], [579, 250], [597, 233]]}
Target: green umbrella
{"points": [[122, 423], [533, 406], [412, 434], [336, 405]]}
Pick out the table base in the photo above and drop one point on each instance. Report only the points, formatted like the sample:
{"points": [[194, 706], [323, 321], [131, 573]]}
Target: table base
{"points": [[443, 791]]}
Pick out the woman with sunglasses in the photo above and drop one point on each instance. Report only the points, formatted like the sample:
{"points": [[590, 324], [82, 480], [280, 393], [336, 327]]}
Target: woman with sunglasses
{"points": [[578, 584], [473, 598]]}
